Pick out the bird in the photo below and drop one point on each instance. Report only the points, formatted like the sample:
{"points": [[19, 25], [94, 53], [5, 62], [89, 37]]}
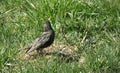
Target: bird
{"points": [[43, 41]]}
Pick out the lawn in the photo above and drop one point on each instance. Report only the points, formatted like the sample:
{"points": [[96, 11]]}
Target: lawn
{"points": [[90, 27]]}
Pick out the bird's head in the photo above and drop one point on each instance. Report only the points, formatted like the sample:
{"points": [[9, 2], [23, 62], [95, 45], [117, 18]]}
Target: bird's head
{"points": [[47, 26]]}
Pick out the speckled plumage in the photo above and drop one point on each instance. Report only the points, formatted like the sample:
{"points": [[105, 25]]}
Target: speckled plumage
{"points": [[45, 40]]}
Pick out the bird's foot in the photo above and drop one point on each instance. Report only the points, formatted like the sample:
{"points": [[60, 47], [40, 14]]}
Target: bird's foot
{"points": [[27, 57]]}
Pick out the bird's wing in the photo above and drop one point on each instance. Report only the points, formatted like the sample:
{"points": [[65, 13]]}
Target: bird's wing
{"points": [[39, 41]]}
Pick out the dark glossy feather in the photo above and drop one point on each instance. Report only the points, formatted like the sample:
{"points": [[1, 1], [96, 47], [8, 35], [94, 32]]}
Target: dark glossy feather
{"points": [[45, 40]]}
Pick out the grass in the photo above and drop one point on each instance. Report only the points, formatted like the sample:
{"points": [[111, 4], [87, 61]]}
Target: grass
{"points": [[94, 22]]}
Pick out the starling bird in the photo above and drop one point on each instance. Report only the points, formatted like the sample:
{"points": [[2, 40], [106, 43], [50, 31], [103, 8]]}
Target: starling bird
{"points": [[45, 40]]}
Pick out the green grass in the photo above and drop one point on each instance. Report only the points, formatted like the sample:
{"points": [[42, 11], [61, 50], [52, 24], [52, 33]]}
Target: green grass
{"points": [[21, 21]]}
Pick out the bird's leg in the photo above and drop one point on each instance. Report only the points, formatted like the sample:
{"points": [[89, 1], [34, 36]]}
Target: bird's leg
{"points": [[38, 52], [27, 57]]}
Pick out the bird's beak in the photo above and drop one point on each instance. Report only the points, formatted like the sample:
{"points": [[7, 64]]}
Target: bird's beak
{"points": [[49, 18]]}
